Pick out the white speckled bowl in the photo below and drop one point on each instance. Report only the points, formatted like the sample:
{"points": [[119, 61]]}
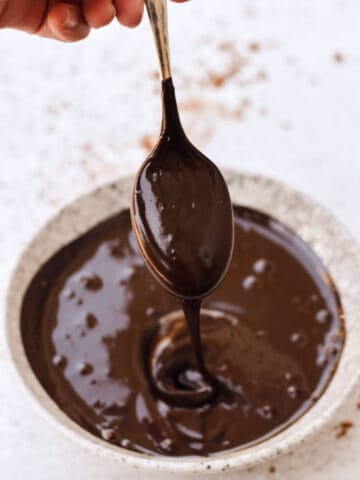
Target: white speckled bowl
{"points": [[332, 243]]}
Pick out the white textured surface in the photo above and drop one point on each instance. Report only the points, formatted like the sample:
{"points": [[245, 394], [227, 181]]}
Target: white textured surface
{"points": [[69, 121]]}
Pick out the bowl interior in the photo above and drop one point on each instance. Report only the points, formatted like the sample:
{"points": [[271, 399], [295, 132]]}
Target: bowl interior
{"points": [[330, 241]]}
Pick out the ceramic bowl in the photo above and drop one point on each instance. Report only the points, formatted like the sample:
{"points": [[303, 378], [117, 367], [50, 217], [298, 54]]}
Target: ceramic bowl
{"points": [[331, 242]]}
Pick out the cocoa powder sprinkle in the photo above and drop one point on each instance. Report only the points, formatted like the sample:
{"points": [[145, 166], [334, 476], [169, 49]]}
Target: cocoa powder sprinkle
{"points": [[343, 428]]}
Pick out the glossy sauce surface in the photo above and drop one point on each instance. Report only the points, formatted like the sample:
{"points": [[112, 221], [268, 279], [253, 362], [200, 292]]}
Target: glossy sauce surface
{"points": [[104, 340]]}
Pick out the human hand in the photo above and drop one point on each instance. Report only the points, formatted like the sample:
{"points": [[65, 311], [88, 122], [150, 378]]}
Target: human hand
{"points": [[68, 20]]}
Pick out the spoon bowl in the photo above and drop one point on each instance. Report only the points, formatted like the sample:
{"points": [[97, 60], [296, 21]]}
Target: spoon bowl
{"points": [[181, 212]]}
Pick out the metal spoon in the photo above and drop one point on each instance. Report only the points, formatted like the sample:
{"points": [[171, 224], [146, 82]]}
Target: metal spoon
{"points": [[181, 210]]}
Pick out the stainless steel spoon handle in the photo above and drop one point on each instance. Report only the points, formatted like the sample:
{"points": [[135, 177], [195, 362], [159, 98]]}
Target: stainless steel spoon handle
{"points": [[157, 11]]}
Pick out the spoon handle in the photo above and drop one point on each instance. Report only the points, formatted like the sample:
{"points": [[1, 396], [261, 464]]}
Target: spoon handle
{"points": [[157, 11]]}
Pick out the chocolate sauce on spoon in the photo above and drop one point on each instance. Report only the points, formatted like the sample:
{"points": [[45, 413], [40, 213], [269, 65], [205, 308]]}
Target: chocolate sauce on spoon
{"points": [[182, 216]]}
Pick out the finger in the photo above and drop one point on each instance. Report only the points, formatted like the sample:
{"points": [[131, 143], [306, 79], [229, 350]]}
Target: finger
{"points": [[65, 22], [23, 15], [129, 12], [98, 13]]}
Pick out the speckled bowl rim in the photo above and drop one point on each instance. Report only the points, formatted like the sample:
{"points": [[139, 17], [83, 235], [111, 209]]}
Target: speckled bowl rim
{"points": [[321, 230]]}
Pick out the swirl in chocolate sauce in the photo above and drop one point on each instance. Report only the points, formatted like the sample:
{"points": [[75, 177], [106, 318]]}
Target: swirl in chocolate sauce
{"points": [[111, 347]]}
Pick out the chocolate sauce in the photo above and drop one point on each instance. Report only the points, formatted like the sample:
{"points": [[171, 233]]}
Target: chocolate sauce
{"points": [[183, 220], [112, 348]]}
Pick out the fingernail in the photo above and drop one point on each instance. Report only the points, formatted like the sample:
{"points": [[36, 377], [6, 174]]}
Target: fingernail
{"points": [[71, 19]]}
